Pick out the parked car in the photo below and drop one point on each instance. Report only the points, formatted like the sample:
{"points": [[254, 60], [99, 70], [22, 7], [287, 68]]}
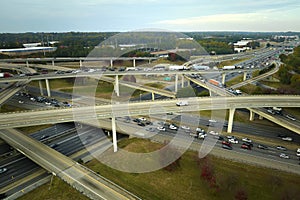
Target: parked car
{"points": [[173, 127], [226, 143], [161, 128], [233, 140], [2, 170]]}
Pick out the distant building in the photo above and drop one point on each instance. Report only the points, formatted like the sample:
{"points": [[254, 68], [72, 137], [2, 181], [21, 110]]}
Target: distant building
{"points": [[242, 46]]}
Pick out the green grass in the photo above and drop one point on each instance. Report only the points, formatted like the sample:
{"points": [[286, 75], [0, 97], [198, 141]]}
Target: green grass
{"points": [[185, 182], [9, 108], [259, 183], [237, 79], [59, 190], [272, 84], [32, 129]]}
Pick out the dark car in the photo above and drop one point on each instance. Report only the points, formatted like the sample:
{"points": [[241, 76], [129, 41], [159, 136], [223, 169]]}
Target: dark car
{"points": [[248, 144], [141, 124], [226, 147], [261, 146]]}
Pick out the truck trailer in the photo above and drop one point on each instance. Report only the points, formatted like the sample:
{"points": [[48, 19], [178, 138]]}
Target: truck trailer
{"points": [[215, 82]]}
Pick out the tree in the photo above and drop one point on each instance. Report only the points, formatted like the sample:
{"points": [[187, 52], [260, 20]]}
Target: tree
{"points": [[241, 195], [284, 74]]}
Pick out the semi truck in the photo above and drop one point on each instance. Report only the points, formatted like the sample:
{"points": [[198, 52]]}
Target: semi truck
{"points": [[178, 67], [5, 75], [215, 82], [229, 67], [200, 67]]}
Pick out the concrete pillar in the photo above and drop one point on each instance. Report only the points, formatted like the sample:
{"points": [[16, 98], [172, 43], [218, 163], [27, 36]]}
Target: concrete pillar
{"points": [[176, 83], [230, 120], [48, 88], [149, 61], [189, 83], [117, 88], [27, 63], [111, 63], [114, 133], [245, 76], [80, 63], [223, 78], [252, 115], [153, 96], [182, 81], [53, 63], [133, 62], [260, 117], [41, 88]]}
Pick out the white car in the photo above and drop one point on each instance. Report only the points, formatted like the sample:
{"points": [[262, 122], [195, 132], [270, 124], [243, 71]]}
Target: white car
{"points": [[213, 133], [161, 128], [202, 135], [200, 130], [233, 140], [185, 127], [142, 119], [290, 117], [247, 140], [287, 139], [21, 101], [282, 155], [173, 127], [212, 121], [2, 170]]}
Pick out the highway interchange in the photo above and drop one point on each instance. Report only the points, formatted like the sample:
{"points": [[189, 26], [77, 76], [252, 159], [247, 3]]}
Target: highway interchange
{"points": [[70, 143]]}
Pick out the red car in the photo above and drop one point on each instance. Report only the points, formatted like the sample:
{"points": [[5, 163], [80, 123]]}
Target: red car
{"points": [[244, 146], [226, 143]]}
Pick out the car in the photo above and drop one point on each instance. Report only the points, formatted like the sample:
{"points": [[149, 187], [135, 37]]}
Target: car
{"points": [[213, 133], [281, 135], [287, 139], [261, 146], [199, 130], [185, 127], [226, 143], [202, 135], [161, 128], [283, 155], [290, 117], [21, 101], [248, 144], [169, 113], [182, 103], [226, 147], [173, 127], [2, 170], [142, 119], [281, 148], [245, 147], [212, 121], [141, 124], [298, 152], [233, 140], [150, 129], [148, 122], [136, 120], [247, 140], [44, 137], [53, 145]]}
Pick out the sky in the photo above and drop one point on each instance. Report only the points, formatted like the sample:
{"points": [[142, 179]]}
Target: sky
{"points": [[130, 15]]}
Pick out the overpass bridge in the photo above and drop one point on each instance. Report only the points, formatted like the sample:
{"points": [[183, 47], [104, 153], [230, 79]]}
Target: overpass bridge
{"points": [[79, 177]]}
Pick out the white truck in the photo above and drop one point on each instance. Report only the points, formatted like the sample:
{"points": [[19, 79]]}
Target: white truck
{"points": [[182, 103], [178, 67], [200, 67], [229, 67]]}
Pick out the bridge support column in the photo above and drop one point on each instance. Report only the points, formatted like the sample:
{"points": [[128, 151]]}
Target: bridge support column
{"points": [[48, 88], [111, 63], [149, 61], [41, 88], [252, 114], [223, 78], [27, 63], [53, 63], [80, 63], [114, 133], [176, 83], [117, 88], [133, 61], [153, 96], [182, 81], [230, 120], [260, 117], [245, 76]]}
